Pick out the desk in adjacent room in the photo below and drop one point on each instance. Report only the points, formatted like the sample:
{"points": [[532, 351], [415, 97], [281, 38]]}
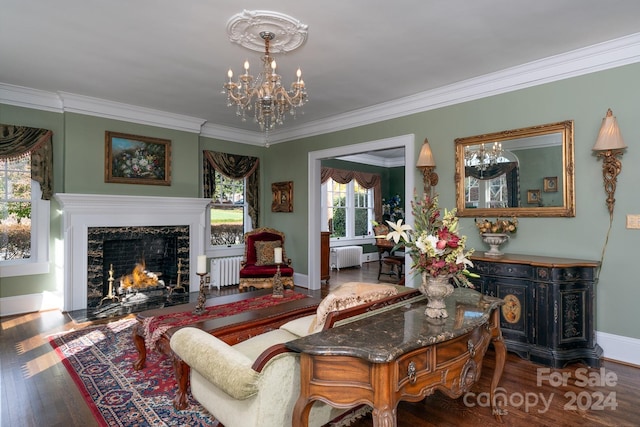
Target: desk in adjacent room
{"points": [[400, 355]]}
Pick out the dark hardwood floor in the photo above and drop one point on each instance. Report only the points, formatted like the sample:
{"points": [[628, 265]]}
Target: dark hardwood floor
{"points": [[36, 389]]}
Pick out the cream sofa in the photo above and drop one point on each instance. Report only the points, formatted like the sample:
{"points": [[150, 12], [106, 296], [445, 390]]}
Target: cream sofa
{"points": [[257, 382]]}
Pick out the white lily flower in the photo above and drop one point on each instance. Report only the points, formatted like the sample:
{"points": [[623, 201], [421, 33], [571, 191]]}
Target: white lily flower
{"points": [[432, 241], [462, 259], [399, 231]]}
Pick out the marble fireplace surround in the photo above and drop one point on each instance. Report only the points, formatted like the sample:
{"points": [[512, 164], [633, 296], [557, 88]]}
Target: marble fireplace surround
{"points": [[81, 211]]}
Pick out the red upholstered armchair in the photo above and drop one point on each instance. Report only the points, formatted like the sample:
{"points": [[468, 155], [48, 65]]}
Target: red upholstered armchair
{"points": [[258, 266]]}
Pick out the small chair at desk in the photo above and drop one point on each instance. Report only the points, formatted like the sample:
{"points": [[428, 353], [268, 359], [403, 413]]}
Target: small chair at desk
{"points": [[395, 263]]}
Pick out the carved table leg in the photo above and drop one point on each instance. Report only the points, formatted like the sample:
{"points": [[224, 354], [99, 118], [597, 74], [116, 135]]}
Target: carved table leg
{"points": [[181, 371], [501, 355], [301, 412], [138, 341], [384, 417]]}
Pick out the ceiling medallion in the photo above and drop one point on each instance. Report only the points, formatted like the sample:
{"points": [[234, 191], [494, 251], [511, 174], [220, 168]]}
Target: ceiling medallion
{"points": [[245, 29]]}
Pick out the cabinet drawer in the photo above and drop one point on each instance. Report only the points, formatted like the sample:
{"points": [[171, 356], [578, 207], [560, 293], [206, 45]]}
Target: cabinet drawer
{"points": [[504, 270], [569, 274], [413, 365]]}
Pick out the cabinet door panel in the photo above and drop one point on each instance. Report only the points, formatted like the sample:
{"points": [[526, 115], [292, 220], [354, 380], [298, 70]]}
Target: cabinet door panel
{"points": [[572, 307], [516, 314]]}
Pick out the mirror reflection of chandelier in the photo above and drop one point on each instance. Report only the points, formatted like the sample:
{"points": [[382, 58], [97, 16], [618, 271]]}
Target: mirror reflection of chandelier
{"points": [[265, 94], [481, 157]]}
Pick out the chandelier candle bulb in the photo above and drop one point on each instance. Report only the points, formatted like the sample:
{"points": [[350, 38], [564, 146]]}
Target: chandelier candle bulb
{"points": [[277, 255], [202, 264]]}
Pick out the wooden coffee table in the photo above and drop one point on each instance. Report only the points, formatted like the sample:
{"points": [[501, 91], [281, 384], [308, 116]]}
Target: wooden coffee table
{"points": [[230, 329]]}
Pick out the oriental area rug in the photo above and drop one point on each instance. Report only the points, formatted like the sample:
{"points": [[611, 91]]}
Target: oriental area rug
{"points": [[100, 360]]}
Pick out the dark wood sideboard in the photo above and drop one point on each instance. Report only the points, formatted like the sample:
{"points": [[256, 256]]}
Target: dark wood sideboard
{"points": [[549, 311]]}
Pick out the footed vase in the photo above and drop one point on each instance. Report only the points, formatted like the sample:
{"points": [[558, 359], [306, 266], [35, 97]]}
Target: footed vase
{"points": [[494, 240], [436, 289]]}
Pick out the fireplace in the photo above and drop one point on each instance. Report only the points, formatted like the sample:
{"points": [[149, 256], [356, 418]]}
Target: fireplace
{"points": [[150, 226], [115, 252]]}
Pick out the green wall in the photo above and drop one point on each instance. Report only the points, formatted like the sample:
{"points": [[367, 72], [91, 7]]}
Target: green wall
{"points": [[585, 99]]}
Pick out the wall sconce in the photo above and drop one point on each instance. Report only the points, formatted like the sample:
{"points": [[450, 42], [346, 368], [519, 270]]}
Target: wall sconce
{"points": [[427, 164], [609, 146]]}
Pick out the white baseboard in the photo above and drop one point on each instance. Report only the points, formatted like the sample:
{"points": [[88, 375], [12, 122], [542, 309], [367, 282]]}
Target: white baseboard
{"points": [[619, 348], [30, 303]]}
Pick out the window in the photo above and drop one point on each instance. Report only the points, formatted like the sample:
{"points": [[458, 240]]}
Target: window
{"points": [[490, 193], [24, 220], [228, 211], [347, 209]]}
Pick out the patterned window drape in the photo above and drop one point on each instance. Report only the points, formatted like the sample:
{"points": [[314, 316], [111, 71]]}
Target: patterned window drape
{"points": [[234, 166], [365, 179], [19, 141]]}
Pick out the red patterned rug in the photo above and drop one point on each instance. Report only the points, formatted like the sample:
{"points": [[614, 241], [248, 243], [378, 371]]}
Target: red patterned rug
{"points": [[100, 360]]}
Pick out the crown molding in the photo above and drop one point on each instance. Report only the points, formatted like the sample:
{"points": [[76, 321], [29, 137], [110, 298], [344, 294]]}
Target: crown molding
{"points": [[36, 99], [232, 134], [368, 159], [80, 104], [599, 57]]}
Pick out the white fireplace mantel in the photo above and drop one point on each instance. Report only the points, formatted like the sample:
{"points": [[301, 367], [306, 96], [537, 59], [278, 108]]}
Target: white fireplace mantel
{"points": [[81, 211]]}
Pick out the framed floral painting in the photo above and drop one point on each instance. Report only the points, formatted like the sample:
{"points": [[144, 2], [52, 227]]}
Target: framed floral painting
{"points": [[132, 159]]}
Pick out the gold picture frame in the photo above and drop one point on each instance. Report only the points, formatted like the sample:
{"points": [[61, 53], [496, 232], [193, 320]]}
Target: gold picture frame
{"points": [[533, 196], [133, 159], [550, 184], [282, 196]]}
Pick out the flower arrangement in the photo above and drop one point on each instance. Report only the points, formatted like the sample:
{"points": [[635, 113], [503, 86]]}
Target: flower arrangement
{"points": [[140, 163], [393, 207], [433, 243], [506, 226]]}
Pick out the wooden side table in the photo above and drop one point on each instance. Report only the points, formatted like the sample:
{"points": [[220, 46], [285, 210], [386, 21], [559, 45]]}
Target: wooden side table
{"points": [[400, 355]]}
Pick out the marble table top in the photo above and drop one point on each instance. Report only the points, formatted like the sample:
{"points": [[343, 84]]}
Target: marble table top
{"points": [[385, 336]]}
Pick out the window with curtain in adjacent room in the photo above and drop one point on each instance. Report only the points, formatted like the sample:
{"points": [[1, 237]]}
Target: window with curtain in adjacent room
{"points": [[350, 202], [25, 190]]}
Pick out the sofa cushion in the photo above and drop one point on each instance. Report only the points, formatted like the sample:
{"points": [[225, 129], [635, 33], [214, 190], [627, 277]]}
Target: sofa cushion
{"points": [[299, 326], [222, 365], [349, 295], [259, 237], [264, 252]]}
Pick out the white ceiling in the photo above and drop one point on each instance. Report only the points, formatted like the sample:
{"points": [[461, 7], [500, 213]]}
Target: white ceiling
{"points": [[173, 56]]}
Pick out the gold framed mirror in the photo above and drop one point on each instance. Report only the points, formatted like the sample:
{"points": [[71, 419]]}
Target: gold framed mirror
{"points": [[525, 172]]}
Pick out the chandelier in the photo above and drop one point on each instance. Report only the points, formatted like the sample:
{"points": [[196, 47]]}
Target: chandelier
{"points": [[481, 157], [265, 96]]}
